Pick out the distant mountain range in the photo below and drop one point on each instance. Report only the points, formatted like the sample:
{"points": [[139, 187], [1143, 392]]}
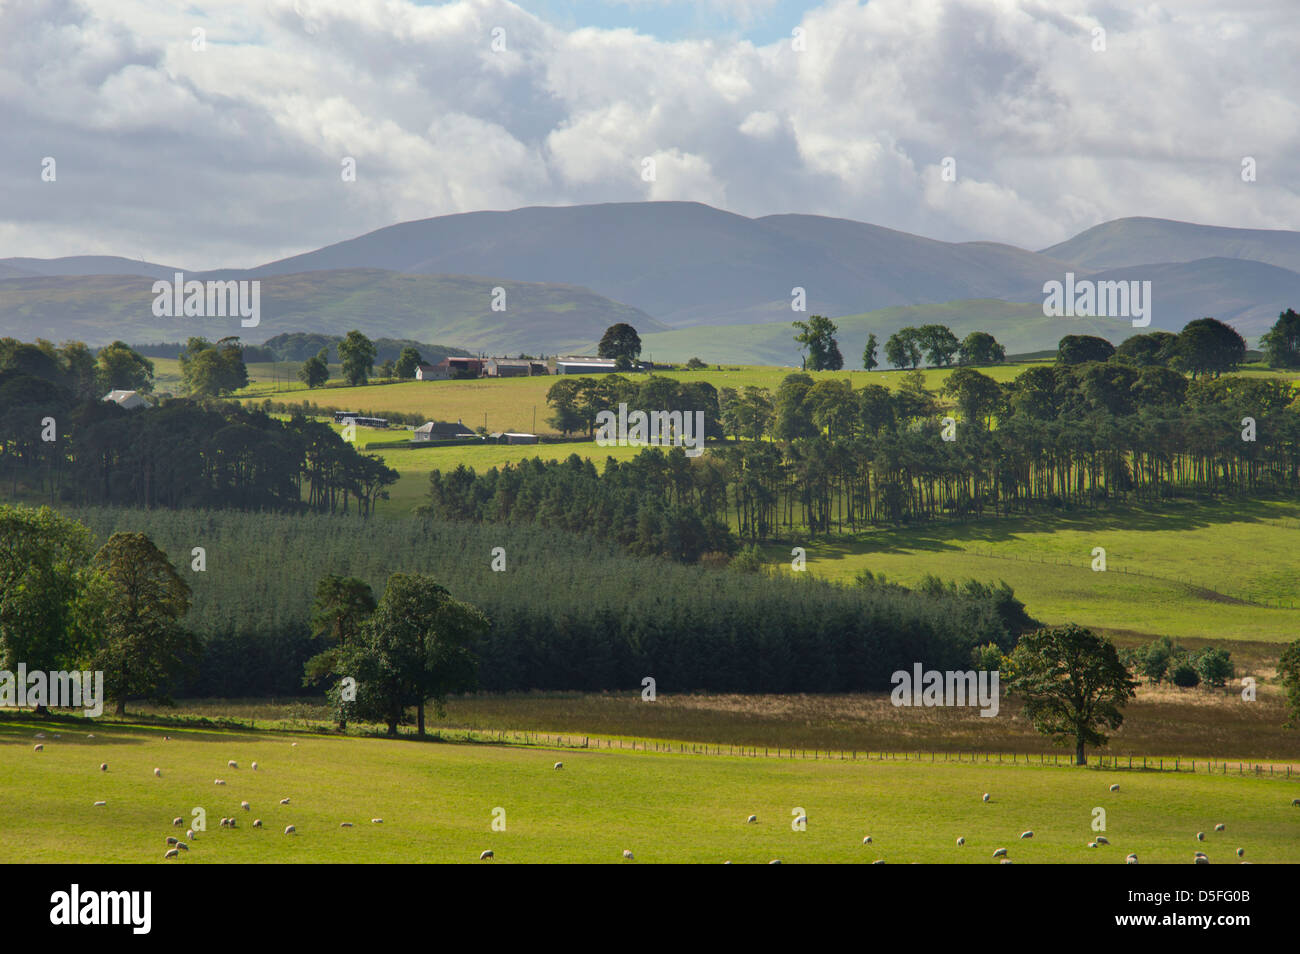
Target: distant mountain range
{"points": [[686, 275]]}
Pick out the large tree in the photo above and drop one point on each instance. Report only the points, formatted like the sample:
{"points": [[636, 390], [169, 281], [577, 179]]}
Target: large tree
{"points": [[1080, 349], [407, 363], [122, 369], [980, 347], [357, 355], [142, 644], [938, 343], [622, 343], [341, 608], [1073, 684], [213, 370], [315, 371], [1208, 346], [869, 359], [1282, 342], [903, 349], [817, 335]]}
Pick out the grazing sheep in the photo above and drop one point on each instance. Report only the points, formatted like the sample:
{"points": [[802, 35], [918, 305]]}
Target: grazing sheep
{"points": [[103, 766], [986, 796], [345, 824], [1115, 787], [218, 781], [627, 854], [293, 745], [167, 738], [257, 823], [1240, 852], [157, 773], [172, 840], [1103, 840], [1026, 834], [961, 841], [752, 820], [232, 764], [244, 805], [171, 853], [878, 861], [290, 830], [1200, 836], [178, 822], [1220, 826], [1131, 860], [486, 856], [100, 804], [1201, 860], [1006, 861], [232, 823], [38, 747], [222, 823], [801, 820], [867, 840], [254, 766], [182, 846], [189, 833], [284, 801], [1295, 803], [775, 861], [559, 765], [1092, 844], [1000, 853], [90, 735], [39, 735], [376, 821]]}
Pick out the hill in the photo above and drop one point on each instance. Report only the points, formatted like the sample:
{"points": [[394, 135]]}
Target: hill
{"points": [[1138, 240]]}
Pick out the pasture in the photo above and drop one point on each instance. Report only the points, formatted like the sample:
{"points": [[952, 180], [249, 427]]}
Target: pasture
{"points": [[438, 803]]}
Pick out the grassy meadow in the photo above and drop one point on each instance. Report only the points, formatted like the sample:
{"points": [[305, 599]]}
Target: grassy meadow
{"points": [[438, 803]]}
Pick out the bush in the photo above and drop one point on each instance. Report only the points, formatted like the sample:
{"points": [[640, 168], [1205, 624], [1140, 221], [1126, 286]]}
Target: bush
{"points": [[1215, 666], [1184, 674], [986, 658]]}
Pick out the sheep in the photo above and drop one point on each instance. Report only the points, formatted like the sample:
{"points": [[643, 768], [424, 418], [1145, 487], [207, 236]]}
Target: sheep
{"points": [[218, 781], [172, 840], [867, 840], [1006, 861], [1200, 836], [1026, 834], [1115, 787], [90, 735], [345, 824], [1201, 860], [961, 841], [103, 766], [1295, 803], [284, 801], [999, 853], [1092, 844], [254, 766], [1220, 826], [39, 735], [100, 805], [157, 773], [751, 820], [1131, 860], [627, 854], [178, 821], [232, 764], [376, 821], [38, 747], [559, 765], [232, 823], [487, 855], [290, 830], [244, 806], [222, 823], [775, 861], [189, 833], [182, 846], [802, 820], [293, 745], [171, 853], [878, 861], [986, 796], [1103, 840], [1240, 852], [257, 823]]}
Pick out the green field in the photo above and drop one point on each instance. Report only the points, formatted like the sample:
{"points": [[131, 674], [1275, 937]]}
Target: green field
{"points": [[437, 803]]}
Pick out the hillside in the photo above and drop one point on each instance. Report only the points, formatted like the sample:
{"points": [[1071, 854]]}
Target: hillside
{"points": [[1138, 240]]}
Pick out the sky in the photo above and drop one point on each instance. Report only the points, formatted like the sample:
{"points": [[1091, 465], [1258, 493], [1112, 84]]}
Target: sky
{"points": [[210, 135]]}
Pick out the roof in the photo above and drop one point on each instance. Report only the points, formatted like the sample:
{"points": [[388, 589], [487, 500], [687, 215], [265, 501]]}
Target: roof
{"points": [[444, 429], [127, 399]]}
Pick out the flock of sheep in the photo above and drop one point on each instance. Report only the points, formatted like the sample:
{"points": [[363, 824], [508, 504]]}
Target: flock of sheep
{"points": [[174, 846]]}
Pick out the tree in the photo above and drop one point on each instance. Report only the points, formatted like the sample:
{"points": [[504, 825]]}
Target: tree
{"points": [[622, 343], [315, 371], [869, 360], [213, 370], [980, 347], [415, 647], [903, 349], [1154, 660], [79, 362], [357, 355], [978, 396], [1208, 346], [341, 608], [817, 335], [938, 343], [407, 363], [1155, 348], [44, 560], [388, 370], [793, 413], [122, 369], [1073, 684], [1281, 343], [142, 599], [695, 364], [1080, 349], [1288, 671], [1215, 666]]}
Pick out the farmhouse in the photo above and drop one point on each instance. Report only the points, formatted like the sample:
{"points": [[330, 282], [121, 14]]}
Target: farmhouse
{"points": [[125, 399], [442, 431], [461, 367], [583, 364], [431, 372], [513, 437]]}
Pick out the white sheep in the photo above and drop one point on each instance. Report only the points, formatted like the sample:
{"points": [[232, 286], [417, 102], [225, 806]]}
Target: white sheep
{"points": [[244, 806], [39, 735], [1295, 803], [802, 820], [1026, 834], [1103, 840], [559, 765], [90, 735], [1200, 836], [232, 764], [376, 821], [752, 820], [999, 853], [775, 861], [284, 801], [345, 824], [171, 853], [1092, 844], [182, 846], [878, 861], [961, 841], [1240, 852], [157, 773], [1006, 861], [189, 833], [178, 822], [257, 823], [103, 766], [1131, 860], [290, 830], [172, 840], [986, 796], [867, 840], [1202, 860], [254, 766], [293, 745], [218, 781], [1115, 787], [627, 854], [487, 855], [1220, 826], [100, 804], [38, 747]]}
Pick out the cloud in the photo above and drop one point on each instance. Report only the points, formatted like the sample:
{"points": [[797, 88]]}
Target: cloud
{"points": [[230, 155]]}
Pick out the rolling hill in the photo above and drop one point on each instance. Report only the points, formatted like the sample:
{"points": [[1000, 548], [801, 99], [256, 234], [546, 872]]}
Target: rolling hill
{"points": [[1137, 241]]}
